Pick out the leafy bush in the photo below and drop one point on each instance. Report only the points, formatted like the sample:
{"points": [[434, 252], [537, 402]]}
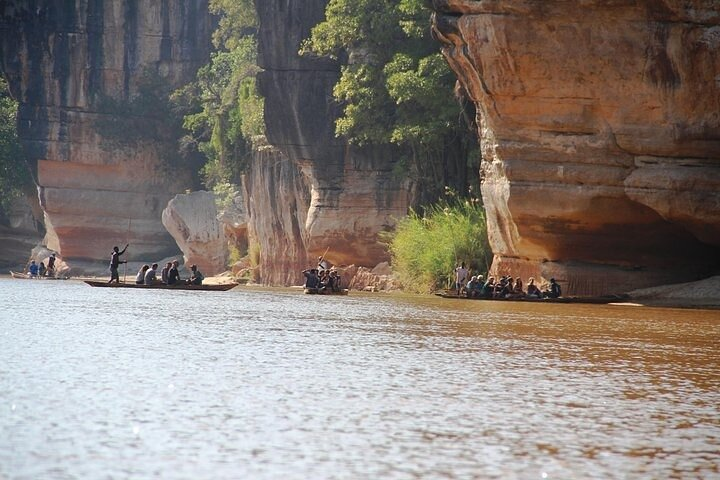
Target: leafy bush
{"points": [[425, 248], [14, 172]]}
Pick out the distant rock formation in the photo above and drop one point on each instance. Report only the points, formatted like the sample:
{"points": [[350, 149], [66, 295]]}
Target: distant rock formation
{"points": [[327, 194], [192, 221], [600, 135], [76, 68]]}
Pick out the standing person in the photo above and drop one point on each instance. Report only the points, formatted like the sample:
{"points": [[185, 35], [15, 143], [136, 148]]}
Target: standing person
{"points": [[460, 276], [51, 266], [164, 273], [151, 275], [115, 263], [196, 278], [173, 273], [42, 269], [322, 264]]}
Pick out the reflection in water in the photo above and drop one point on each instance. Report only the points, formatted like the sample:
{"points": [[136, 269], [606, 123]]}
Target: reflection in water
{"points": [[271, 383]]}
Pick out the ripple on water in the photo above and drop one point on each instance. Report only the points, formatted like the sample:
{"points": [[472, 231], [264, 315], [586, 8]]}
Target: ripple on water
{"points": [[271, 383]]}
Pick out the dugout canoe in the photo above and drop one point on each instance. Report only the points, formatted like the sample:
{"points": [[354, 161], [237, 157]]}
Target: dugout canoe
{"points": [[220, 287], [316, 291], [26, 276], [603, 299]]}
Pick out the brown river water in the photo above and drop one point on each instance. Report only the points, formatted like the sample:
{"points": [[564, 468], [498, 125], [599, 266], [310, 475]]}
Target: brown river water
{"points": [[271, 383]]}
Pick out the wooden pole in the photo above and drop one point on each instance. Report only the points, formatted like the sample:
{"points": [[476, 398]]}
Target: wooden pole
{"points": [[127, 242]]}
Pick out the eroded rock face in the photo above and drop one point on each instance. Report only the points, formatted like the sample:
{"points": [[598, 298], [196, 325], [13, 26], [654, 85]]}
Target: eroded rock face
{"points": [[352, 194], [64, 62], [192, 221], [600, 128]]}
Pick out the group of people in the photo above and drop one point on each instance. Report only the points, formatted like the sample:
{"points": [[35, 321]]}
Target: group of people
{"points": [[505, 287], [147, 275], [35, 270], [322, 279]]}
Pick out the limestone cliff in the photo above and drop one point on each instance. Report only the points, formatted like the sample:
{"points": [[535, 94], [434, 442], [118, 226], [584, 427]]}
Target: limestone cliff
{"points": [[350, 194], [601, 135], [76, 67]]}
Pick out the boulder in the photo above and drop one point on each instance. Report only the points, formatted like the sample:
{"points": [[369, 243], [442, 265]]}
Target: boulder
{"points": [[192, 221]]}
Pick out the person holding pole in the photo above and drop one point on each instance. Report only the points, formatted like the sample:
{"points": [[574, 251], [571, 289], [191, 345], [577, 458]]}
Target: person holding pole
{"points": [[115, 263]]}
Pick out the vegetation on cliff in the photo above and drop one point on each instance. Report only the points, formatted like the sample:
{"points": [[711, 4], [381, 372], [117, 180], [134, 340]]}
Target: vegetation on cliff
{"points": [[397, 88], [225, 112], [14, 173], [425, 248]]}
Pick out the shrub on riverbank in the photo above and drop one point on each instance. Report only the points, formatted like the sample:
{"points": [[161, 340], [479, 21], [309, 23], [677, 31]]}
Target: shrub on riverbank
{"points": [[426, 248]]}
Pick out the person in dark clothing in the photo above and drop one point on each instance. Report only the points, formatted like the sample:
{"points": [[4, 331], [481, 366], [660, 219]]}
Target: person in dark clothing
{"points": [[311, 278], [165, 272], [51, 266], [555, 291], [196, 278], [173, 273], [115, 263]]}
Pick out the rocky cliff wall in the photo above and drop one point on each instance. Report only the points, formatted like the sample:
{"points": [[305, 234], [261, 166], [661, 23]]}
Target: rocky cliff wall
{"points": [[351, 194], [64, 61], [600, 128]]}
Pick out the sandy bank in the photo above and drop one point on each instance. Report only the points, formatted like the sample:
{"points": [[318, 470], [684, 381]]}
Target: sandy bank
{"points": [[701, 294]]}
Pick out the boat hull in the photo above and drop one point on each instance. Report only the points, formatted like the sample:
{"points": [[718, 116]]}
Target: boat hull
{"points": [[315, 291], [222, 287], [25, 276], [605, 299]]}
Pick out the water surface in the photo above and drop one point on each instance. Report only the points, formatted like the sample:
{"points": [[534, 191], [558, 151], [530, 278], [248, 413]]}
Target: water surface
{"points": [[270, 383]]}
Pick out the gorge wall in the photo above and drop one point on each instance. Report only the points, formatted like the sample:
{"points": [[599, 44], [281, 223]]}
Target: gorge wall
{"points": [[600, 130], [329, 195], [68, 64]]}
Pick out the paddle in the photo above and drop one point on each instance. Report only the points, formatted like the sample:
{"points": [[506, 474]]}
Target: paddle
{"points": [[124, 249], [323, 257]]}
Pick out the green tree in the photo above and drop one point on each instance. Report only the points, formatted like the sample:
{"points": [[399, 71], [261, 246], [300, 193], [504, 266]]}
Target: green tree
{"points": [[225, 112], [426, 247], [14, 173], [396, 88]]}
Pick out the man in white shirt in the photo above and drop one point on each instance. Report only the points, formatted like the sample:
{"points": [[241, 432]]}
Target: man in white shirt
{"points": [[460, 276]]}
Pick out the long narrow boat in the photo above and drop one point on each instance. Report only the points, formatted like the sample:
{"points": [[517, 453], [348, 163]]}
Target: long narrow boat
{"points": [[27, 276], [604, 299], [317, 291], [220, 287]]}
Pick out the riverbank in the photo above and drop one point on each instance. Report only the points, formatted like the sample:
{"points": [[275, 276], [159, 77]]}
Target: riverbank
{"points": [[700, 294]]}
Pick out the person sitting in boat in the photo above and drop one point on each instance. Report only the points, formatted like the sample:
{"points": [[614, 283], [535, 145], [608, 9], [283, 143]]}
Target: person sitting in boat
{"points": [[42, 269], [488, 288], [151, 275], [532, 290], [164, 273], [173, 273], [503, 287], [51, 266], [33, 269], [473, 287], [312, 281], [196, 278], [554, 291], [140, 277], [335, 281], [516, 289]]}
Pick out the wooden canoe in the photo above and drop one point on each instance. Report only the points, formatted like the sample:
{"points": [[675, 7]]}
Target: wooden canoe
{"points": [[220, 287], [604, 299], [316, 291], [27, 276]]}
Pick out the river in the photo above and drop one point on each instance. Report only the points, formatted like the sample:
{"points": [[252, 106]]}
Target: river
{"points": [[272, 384]]}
